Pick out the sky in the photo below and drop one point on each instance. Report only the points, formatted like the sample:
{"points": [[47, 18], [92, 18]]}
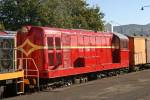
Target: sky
{"points": [[121, 12]]}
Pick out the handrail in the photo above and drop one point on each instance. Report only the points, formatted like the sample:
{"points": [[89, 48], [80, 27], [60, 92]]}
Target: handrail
{"points": [[25, 67]]}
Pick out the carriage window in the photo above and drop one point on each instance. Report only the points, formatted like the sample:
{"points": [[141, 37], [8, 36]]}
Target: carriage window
{"points": [[50, 43], [115, 42], [51, 59], [58, 43], [124, 44]]}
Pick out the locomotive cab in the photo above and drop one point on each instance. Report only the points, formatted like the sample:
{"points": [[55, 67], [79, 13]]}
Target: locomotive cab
{"points": [[6, 54], [11, 79], [119, 47]]}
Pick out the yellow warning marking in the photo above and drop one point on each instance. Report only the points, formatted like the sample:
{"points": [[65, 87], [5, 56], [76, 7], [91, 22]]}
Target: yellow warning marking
{"points": [[86, 47], [26, 81], [29, 43], [11, 75]]}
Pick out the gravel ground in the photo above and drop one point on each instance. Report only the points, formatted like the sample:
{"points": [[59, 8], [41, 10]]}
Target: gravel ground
{"points": [[133, 86]]}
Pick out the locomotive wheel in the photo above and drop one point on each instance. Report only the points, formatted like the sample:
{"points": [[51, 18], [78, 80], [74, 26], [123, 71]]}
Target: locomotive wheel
{"points": [[134, 69], [77, 81], [84, 79], [2, 92]]}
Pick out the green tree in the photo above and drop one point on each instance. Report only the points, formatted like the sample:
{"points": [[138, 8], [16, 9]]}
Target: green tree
{"points": [[74, 14], [53, 13], [59, 14], [15, 13], [2, 28], [94, 18]]}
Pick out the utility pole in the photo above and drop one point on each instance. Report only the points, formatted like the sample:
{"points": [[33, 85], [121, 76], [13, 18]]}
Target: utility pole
{"points": [[120, 26]]}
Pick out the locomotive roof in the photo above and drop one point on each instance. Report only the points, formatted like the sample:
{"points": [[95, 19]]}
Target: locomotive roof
{"points": [[6, 35], [73, 31], [11, 32], [2, 33], [137, 37], [121, 36]]}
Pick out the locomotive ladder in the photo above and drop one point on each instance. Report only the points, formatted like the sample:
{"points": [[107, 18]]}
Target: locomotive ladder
{"points": [[27, 70]]}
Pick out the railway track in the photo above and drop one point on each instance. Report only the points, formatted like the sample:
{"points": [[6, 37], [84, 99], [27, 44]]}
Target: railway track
{"points": [[67, 85]]}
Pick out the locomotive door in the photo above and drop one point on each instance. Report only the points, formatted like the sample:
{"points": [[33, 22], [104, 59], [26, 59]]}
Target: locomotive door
{"points": [[57, 51], [115, 49], [66, 43], [54, 51]]}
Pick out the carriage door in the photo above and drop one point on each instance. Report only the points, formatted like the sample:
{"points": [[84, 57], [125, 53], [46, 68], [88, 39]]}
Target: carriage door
{"points": [[115, 49], [54, 51]]}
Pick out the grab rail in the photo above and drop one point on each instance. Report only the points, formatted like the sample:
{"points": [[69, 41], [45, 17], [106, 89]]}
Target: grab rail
{"points": [[27, 69]]}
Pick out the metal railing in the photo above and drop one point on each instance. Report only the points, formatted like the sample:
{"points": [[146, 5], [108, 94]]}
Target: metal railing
{"points": [[27, 69]]}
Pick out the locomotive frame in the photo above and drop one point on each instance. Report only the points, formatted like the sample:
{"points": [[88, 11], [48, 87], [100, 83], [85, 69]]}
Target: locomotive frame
{"points": [[58, 53]]}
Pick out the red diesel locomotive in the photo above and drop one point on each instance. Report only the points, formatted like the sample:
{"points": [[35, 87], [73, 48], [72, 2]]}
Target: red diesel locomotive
{"points": [[52, 54]]}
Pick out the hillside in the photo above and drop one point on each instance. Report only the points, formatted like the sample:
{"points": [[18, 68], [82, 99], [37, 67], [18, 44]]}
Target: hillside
{"points": [[133, 29]]}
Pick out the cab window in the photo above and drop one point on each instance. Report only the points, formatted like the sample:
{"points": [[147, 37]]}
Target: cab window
{"points": [[57, 43], [50, 43]]}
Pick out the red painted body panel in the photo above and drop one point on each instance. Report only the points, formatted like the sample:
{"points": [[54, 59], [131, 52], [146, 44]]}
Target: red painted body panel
{"points": [[62, 52], [2, 33]]}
